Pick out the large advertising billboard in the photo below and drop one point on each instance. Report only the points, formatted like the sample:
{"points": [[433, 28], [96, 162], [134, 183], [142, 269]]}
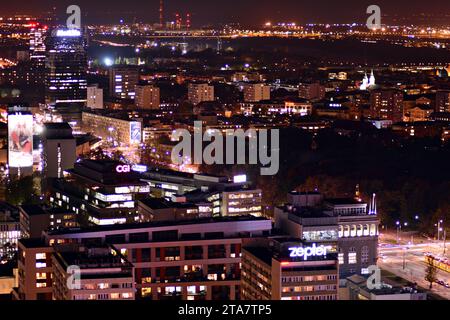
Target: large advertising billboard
{"points": [[135, 132], [20, 140]]}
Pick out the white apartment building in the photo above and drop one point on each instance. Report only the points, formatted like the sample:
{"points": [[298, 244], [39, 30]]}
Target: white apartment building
{"points": [[200, 93], [256, 92], [94, 97], [147, 97]]}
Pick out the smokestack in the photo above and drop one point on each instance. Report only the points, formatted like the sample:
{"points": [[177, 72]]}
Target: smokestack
{"points": [[188, 20], [161, 12]]}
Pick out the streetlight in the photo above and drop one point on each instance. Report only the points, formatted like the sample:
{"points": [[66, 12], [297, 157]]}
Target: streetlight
{"points": [[404, 257], [439, 228], [399, 226], [445, 239]]}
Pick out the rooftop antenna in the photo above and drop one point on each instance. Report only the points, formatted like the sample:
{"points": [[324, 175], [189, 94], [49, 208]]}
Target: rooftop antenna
{"points": [[161, 12], [373, 206]]}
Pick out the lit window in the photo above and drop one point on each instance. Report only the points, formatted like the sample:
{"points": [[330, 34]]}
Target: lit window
{"points": [[352, 258], [365, 254], [41, 256], [364, 271], [341, 258], [103, 285], [41, 276]]}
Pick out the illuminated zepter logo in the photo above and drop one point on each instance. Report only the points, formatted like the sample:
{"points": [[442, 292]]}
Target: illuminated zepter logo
{"points": [[306, 252]]}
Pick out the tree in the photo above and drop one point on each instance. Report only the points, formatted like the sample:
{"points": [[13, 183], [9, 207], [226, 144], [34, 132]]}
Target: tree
{"points": [[22, 191], [431, 272]]}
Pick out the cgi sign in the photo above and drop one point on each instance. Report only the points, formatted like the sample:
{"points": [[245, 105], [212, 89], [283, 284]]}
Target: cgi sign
{"points": [[123, 168], [305, 252]]}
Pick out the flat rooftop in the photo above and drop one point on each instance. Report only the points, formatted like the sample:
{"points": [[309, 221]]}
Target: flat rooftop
{"points": [[385, 289], [33, 243], [306, 212], [342, 201], [33, 210], [86, 260], [154, 203], [155, 224], [262, 253]]}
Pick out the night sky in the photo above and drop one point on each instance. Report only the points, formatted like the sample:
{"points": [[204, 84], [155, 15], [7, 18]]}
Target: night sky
{"points": [[247, 12]]}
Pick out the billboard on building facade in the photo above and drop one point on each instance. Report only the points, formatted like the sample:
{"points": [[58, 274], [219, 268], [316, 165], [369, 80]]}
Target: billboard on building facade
{"points": [[20, 140]]}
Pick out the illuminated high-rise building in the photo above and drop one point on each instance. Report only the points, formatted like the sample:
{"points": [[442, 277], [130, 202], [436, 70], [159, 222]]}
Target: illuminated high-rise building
{"points": [[38, 35], [200, 92], [37, 42], [59, 149], [256, 92], [66, 65], [147, 97], [387, 105], [443, 101], [123, 81]]}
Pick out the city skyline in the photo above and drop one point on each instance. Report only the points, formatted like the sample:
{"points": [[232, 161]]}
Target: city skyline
{"points": [[238, 151], [208, 12]]}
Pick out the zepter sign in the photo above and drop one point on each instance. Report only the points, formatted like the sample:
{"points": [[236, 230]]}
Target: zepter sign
{"points": [[306, 252]]}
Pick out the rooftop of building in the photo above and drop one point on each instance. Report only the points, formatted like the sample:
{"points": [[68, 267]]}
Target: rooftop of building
{"points": [[33, 210], [418, 124], [5, 207], [7, 269], [158, 204], [342, 201], [384, 289], [119, 115], [57, 210], [301, 193], [278, 251], [105, 172], [57, 125], [262, 253], [296, 100], [305, 212], [156, 224], [33, 243], [92, 258], [86, 138], [194, 180]]}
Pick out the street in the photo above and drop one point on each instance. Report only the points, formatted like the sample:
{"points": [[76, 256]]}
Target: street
{"points": [[407, 260]]}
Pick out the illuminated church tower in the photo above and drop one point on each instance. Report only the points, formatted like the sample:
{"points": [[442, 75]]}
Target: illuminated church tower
{"points": [[368, 82], [372, 79]]}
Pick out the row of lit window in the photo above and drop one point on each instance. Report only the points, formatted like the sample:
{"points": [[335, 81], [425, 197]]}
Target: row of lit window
{"points": [[104, 296], [289, 279], [331, 287], [358, 230]]}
